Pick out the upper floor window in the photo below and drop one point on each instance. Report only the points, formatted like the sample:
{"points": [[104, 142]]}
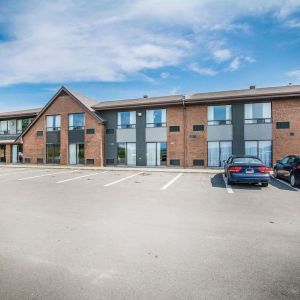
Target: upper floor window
{"points": [[156, 118], [126, 119], [219, 115], [22, 124], [53, 123], [76, 121], [8, 127], [258, 113]]}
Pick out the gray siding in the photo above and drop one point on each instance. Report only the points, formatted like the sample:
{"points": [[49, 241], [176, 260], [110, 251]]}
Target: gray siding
{"points": [[140, 138], [238, 142], [76, 136], [219, 133], [126, 135], [53, 137], [258, 132], [111, 122], [156, 134]]}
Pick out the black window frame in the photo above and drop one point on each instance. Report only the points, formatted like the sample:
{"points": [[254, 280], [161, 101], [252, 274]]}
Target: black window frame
{"points": [[198, 127], [174, 128]]}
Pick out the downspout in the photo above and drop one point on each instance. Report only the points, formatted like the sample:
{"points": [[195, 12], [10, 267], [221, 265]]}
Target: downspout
{"points": [[184, 132]]}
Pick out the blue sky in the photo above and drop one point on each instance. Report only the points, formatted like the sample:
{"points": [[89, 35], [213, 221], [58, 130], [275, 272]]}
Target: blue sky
{"points": [[124, 49]]}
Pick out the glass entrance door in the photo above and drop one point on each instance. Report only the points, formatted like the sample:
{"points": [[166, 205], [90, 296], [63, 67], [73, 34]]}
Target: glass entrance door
{"points": [[15, 149], [156, 154], [2, 153], [76, 154], [53, 153]]}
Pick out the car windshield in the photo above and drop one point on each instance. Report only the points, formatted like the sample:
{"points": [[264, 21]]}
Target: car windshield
{"points": [[246, 160]]}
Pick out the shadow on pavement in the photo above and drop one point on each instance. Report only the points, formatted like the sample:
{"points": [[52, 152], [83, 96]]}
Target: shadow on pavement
{"points": [[281, 186], [217, 181]]}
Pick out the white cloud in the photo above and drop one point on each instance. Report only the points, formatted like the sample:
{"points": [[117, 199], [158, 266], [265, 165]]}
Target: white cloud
{"points": [[294, 73], [293, 23], [237, 61], [164, 75], [91, 40], [222, 55], [202, 71]]}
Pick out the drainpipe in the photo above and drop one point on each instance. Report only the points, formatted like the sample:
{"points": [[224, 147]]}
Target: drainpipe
{"points": [[184, 132]]}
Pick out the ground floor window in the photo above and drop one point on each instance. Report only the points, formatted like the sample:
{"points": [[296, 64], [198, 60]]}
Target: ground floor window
{"points": [[53, 153], [16, 154], [76, 154], [261, 149], [127, 154], [156, 154], [2, 153], [218, 152]]}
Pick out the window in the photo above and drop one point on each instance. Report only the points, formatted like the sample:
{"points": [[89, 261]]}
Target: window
{"points": [[39, 160], [261, 149], [218, 152], [19, 126], [76, 121], [126, 119], [25, 123], [156, 154], [27, 160], [90, 131], [174, 162], [76, 154], [198, 162], [53, 123], [156, 118], [12, 126], [39, 133], [3, 127], [127, 154], [198, 127], [90, 161], [110, 131], [282, 125], [258, 113], [174, 128], [53, 153], [219, 115]]}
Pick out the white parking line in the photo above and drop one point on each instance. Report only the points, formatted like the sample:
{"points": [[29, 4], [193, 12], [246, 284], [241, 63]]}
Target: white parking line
{"points": [[171, 181], [122, 179], [286, 183], [49, 174], [79, 177], [228, 186]]}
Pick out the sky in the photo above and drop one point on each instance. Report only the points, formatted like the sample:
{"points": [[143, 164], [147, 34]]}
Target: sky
{"points": [[120, 49]]}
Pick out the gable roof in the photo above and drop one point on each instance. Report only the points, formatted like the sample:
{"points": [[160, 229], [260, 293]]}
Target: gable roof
{"points": [[85, 102], [20, 113]]}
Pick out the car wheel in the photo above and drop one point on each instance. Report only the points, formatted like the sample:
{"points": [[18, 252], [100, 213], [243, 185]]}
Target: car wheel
{"points": [[292, 180], [265, 184], [275, 173]]}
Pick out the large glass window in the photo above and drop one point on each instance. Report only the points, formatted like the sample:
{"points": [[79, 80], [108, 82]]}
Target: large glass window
{"points": [[257, 113], [127, 154], [218, 152], [219, 115], [53, 123], [126, 119], [156, 118], [76, 154], [3, 127], [156, 154], [53, 153], [76, 121], [261, 149]]}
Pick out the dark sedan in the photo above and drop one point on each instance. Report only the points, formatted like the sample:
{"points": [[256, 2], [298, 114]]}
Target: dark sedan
{"points": [[246, 169], [288, 168]]}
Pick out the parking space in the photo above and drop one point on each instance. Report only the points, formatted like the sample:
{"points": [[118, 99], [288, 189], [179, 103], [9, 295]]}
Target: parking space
{"points": [[99, 234]]}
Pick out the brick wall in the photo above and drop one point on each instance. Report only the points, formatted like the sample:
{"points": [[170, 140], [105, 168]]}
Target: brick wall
{"points": [[283, 142], [8, 153], [175, 139], [196, 140], [35, 147]]}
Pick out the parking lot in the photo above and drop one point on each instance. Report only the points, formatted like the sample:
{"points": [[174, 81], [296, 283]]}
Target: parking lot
{"points": [[103, 234]]}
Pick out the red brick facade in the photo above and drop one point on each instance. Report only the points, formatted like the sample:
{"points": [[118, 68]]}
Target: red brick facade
{"points": [[286, 141], [35, 146]]}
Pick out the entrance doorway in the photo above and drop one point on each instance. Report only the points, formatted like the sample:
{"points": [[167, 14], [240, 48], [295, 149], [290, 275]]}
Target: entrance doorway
{"points": [[76, 154], [2, 153], [16, 154]]}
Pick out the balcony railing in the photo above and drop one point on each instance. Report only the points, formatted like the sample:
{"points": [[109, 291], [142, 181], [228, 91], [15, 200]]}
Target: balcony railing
{"points": [[52, 129], [126, 126], [219, 122], [76, 127], [152, 125], [258, 121]]}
